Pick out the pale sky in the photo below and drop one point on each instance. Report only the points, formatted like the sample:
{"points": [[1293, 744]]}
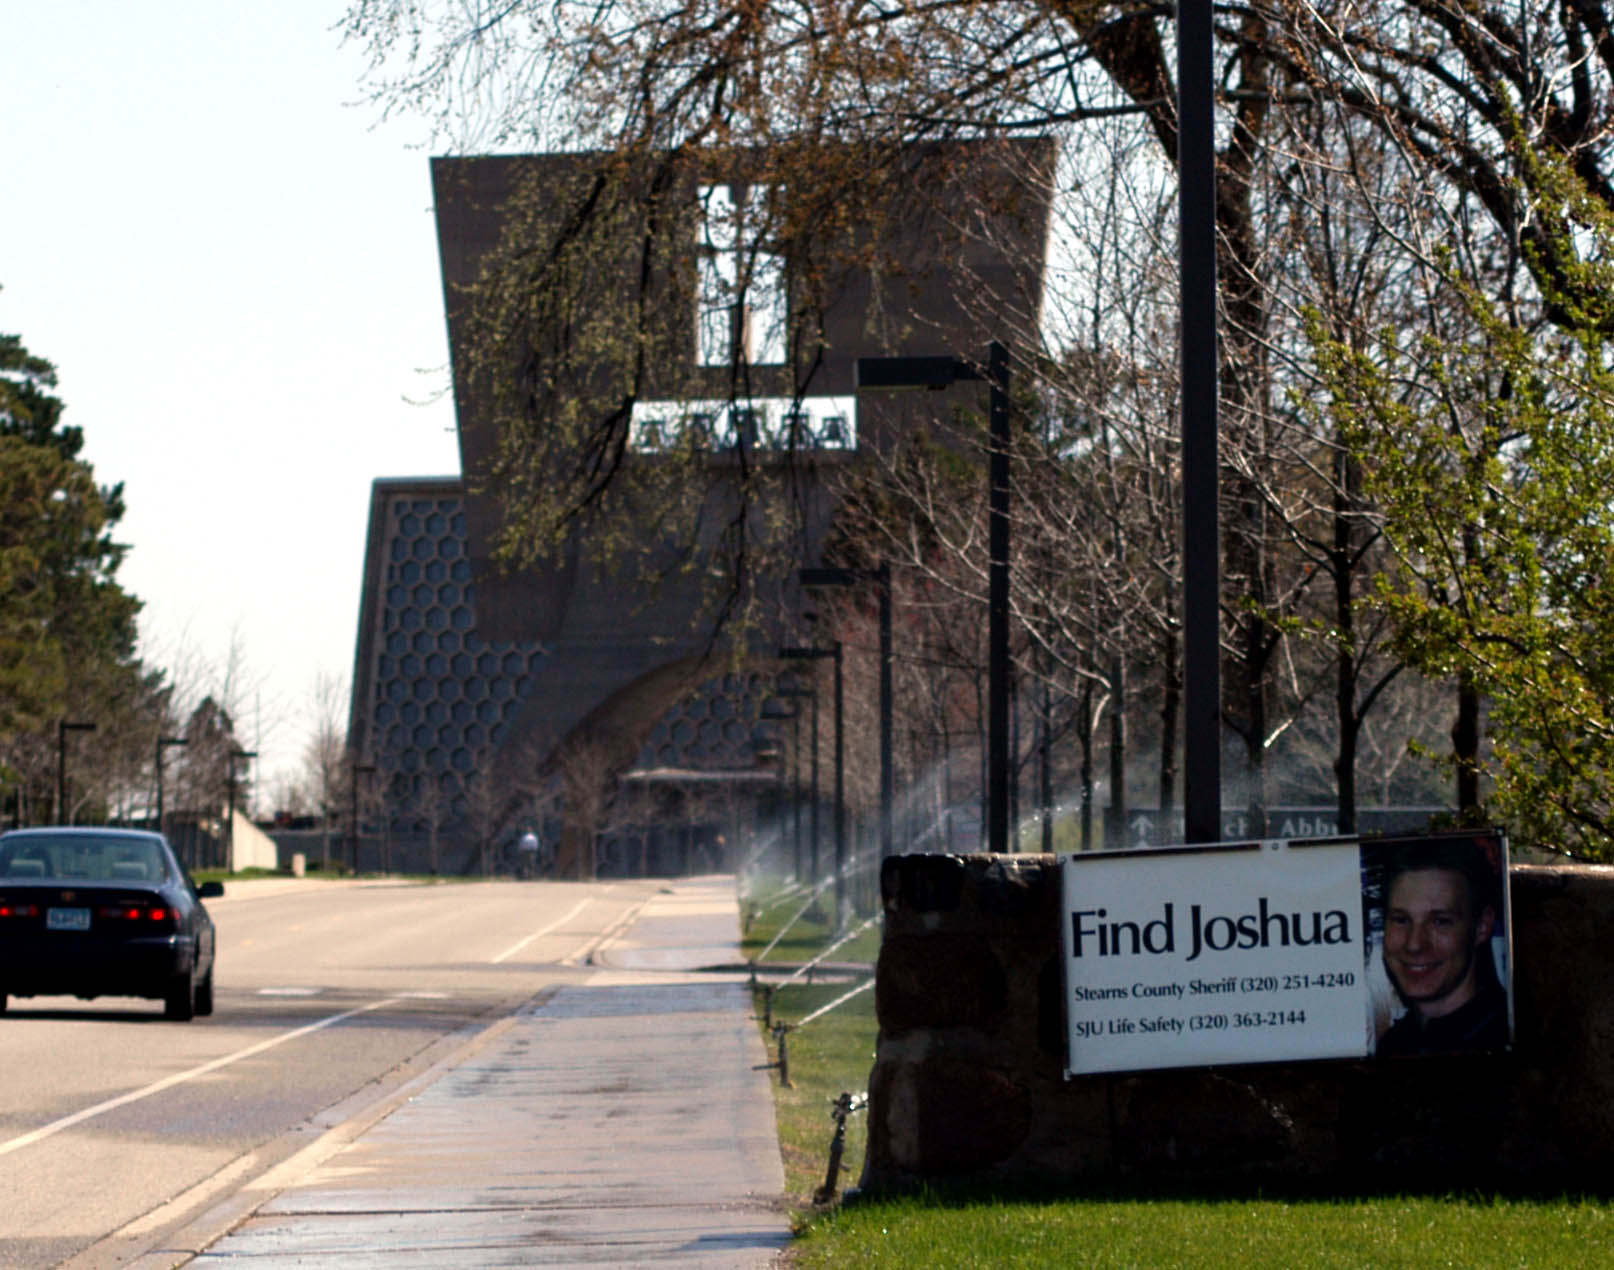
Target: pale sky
{"points": [[235, 272]]}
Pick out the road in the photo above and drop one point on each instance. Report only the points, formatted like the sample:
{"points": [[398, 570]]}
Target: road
{"points": [[117, 1125]]}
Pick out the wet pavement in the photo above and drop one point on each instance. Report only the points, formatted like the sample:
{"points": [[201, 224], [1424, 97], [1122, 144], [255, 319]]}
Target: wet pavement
{"points": [[624, 1121]]}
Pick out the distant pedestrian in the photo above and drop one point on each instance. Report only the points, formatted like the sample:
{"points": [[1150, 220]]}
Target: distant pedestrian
{"points": [[527, 855]]}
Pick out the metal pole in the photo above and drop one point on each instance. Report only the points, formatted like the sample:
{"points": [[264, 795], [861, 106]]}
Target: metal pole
{"points": [[815, 654], [997, 688], [815, 789], [883, 576], [61, 771], [1046, 764], [795, 790], [1015, 752], [890, 374], [778, 800], [840, 793], [781, 1031], [63, 727], [838, 577], [1201, 462], [229, 808]]}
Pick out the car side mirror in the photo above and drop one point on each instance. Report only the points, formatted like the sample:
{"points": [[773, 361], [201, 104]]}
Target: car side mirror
{"points": [[211, 890]]}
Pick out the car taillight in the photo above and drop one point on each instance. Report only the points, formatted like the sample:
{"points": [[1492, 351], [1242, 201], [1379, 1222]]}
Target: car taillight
{"points": [[154, 917], [19, 910]]}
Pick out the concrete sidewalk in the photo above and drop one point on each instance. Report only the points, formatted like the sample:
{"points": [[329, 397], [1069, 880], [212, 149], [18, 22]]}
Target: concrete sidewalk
{"points": [[621, 1122]]}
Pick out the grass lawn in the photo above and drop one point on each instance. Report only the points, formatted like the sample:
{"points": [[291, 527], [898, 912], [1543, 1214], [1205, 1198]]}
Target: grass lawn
{"points": [[933, 1231], [224, 875], [948, 1229], [829, 1056], [786, 927]]}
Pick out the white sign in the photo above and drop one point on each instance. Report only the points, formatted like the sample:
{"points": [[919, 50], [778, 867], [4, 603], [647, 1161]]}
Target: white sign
{"points": [[1201, 956], [1277, 951]]}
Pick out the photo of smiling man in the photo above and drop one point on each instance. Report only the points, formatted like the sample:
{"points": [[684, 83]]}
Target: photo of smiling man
{"points": [[1440, 939]]}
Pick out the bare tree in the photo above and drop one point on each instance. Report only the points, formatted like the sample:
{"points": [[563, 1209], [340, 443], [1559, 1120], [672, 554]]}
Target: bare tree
{"points": [[325, 752], [1351, 135]]}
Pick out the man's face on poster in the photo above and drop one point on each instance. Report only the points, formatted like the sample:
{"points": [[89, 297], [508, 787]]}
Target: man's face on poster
{"points": [[1431, 935]]}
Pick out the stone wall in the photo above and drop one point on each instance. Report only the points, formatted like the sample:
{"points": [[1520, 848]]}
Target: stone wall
{"points": [[968, 1080]]}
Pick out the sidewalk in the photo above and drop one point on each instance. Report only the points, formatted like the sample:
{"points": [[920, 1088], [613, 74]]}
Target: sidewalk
{"points": [[621, 1122]]}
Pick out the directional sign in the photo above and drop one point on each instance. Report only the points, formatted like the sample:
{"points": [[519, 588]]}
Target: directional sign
{"points": [[1148, 826]]}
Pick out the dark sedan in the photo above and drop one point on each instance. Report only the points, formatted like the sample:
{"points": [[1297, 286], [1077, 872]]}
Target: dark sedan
{"points": [[103, 912]]}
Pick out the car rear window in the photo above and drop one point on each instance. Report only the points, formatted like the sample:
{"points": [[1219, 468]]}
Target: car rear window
{"points": [[82, 858]]}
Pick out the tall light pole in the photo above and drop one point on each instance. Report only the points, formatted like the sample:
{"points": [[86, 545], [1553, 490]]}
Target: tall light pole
{"points": [[813, 654], [1201, 462], [795, 788], [229, 804], [813, 785], [834, 577], [163, 743], [799, 693], [63, 727], [775, 710], [900, 374]]}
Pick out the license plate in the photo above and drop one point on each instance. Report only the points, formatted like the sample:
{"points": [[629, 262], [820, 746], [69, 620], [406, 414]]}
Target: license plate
{"points": [[67, 919]]}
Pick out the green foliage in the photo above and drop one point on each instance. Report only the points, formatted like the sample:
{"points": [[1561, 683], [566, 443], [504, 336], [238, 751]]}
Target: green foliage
{"points": [[1489, 445], [991, 1231], [796, 936], [831, 1055], [27, 409], [224, 875], [964, 1228], [67, 628], [31, 669]]}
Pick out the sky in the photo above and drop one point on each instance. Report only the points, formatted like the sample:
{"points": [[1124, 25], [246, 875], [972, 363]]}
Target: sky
{"points": [[234, 268]]}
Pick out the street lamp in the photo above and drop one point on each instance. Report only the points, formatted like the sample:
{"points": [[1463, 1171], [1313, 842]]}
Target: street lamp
{"points": [[814, 654], [895, 374], [881, 575], [359, 769], [800, 693], [775, 710], [813, 836], [163, 743], [229, 804], [769, 752], [63, 727], [1201, 464]]}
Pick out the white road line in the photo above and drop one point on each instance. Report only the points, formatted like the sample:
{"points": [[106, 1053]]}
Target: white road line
{"points": [[168, 1082], [538, 934]]}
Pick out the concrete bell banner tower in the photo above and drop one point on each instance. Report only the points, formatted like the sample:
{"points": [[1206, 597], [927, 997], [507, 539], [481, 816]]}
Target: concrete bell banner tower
{"points": [[486, 695]]}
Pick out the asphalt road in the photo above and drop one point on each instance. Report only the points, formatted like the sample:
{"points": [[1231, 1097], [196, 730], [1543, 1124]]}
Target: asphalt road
{"points": [[116, 1124]]}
